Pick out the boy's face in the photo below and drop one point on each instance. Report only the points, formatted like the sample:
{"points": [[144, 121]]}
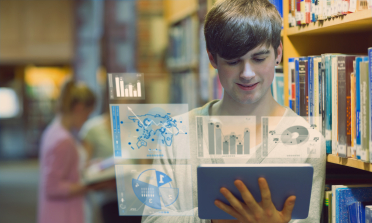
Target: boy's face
{"points": [[248, 79]]}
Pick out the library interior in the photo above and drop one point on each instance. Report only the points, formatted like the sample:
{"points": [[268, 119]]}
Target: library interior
{"points": [[151, 54]]}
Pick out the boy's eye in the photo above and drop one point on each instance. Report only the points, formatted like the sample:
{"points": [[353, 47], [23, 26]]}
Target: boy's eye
{"points": [[232, 62], [259, 59]]}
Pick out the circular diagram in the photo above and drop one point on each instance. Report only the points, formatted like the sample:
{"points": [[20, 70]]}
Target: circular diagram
{"points": [[295, 135], [153, 189]]}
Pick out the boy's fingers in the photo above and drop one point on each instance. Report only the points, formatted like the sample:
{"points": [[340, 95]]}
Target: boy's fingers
{"points": [[228, 209], [265, 194], [247, 197], [234, 202], [288, 207]]}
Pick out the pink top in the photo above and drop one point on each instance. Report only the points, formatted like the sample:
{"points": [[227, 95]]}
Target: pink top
{"points": [[59, 168]]}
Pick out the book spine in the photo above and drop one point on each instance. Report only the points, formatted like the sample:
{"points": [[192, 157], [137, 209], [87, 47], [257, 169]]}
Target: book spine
{"points": [[303, 12], [353, 116], [297, 75], [365, 121], [289, 75], [302, 83], [306, 92], [349, 69], [312, 9], [368, 213], [307, 11], [310, 98], [298, 12], [317, 95], [322, 97], [357, 105], [370, 99], [334, 105], [341, 107], [293, 90], [328, 102]]}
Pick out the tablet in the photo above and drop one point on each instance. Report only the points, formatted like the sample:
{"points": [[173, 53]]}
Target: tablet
{"points": [[284, 180]]}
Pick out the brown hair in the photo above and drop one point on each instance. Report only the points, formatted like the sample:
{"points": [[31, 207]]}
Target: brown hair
{"points": [[234, 27], [73, 93]]}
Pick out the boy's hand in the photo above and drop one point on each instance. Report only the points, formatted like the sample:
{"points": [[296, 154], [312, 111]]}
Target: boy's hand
{"points": [[251, 211]]}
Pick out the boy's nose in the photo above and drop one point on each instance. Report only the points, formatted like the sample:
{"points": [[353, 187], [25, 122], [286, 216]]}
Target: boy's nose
{"points": [[247, 73]]}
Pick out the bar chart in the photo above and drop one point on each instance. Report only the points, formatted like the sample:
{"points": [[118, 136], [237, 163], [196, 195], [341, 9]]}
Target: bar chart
{"points": [[126, 86], [226, 137]]}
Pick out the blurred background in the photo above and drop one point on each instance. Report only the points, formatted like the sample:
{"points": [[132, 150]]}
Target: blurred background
{"points": [[42, 42]]}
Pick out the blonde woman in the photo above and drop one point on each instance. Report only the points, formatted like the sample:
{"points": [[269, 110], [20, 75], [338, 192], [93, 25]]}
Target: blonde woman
{"points": [[61, 194]]}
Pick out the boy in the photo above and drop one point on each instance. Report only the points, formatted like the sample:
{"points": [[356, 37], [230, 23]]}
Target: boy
{"points": [[243, 44]]}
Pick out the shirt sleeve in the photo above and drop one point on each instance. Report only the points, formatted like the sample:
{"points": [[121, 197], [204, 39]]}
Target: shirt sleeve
{"points": [[58, 164]]}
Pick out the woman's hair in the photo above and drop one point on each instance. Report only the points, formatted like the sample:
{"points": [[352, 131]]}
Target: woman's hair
{"points": [[73, 93], [234, 27]]}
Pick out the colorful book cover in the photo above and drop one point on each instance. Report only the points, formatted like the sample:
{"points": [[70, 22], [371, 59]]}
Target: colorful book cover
{"points": [[348, 196], [310, 86], [290, 81], [303, 11], [307, 11], [368, 214], [322, 99], [370, 95], [304, 97], [334, 104], [365, 103], [298, 12], [353, 116], [345, 68], [326, 68], [357, 98]]}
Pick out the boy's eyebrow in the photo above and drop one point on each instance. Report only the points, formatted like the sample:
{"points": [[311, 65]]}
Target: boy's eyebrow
{"points": [[264, 51]]}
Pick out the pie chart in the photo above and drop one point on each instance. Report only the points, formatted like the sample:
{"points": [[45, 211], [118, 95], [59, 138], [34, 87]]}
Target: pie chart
{"points": [[153, 188], [295, 135]]}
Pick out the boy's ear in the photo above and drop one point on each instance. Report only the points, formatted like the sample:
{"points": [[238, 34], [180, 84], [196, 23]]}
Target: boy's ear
{"points": [[280, 52], [211, 59]]}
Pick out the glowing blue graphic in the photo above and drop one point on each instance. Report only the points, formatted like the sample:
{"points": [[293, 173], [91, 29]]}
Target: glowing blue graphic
{"points": [[161, 124], [155, 196], [149, 130]]}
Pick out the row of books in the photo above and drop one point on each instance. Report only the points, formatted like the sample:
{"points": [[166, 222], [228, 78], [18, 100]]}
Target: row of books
{"points": [[184, 89], [277, 86], [306, 11], [347, 204], [334, 93], [183, 47]]}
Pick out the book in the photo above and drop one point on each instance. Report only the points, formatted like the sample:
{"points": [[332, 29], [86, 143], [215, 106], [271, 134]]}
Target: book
{"points": [[357, 212], [298, 12], [303, 11], [297, 80], [370, 96], [321, 97], [365, 103], [334, 104], [345, 68], [358, 103], [291, 83], [310, 90], [346, 197], [317, 94], [307, 11], [353, 116], [303, 101], [326, 69], [368, 214]]}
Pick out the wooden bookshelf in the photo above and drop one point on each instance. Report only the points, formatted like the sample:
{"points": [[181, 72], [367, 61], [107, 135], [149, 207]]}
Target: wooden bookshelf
{"points": [[349, 162], [349, 34], [350, 23], [176, 10]]}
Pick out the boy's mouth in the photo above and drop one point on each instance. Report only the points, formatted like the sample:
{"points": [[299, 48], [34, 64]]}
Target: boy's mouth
{"points": [[247, 87]]}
